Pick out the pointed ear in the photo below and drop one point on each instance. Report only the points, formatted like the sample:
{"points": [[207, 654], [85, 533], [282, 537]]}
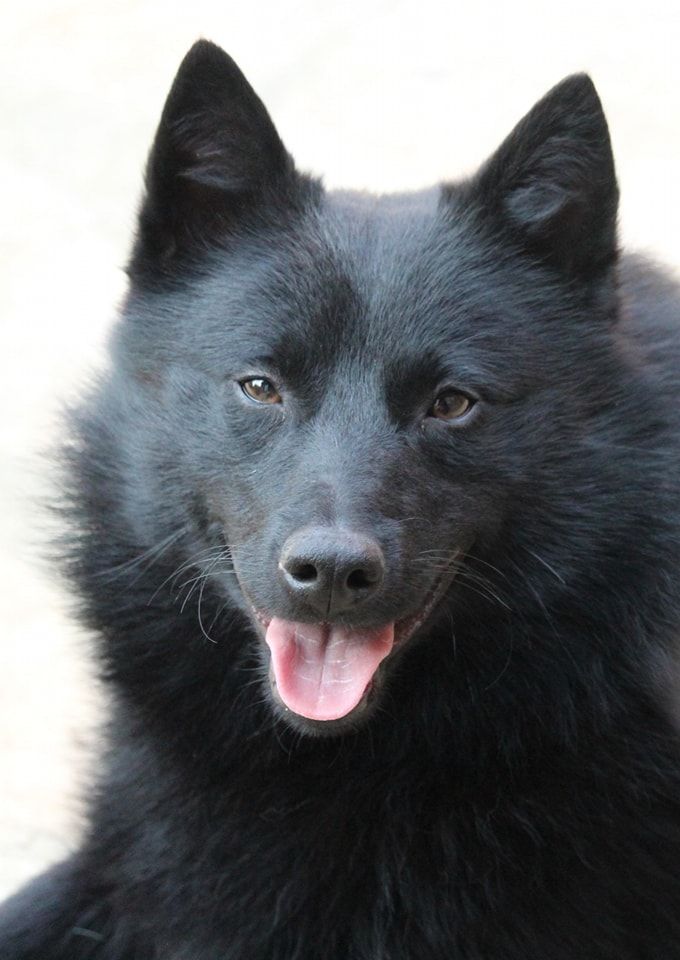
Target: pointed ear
{"points": [[552, 183], [215, 157]]}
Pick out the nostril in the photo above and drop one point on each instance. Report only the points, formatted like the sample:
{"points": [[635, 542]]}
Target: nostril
{"points": [[359, 579], [306, 573], [303, 572]]}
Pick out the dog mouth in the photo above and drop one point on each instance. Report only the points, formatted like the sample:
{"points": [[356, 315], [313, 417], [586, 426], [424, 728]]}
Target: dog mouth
{"points": [[326, 672]]}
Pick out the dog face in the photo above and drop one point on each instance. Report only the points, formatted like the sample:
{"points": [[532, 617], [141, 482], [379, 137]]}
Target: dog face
{"points": [[368, 416]]}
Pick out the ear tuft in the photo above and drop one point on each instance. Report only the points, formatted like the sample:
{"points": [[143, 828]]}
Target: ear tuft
{"points": [[552, 182]]}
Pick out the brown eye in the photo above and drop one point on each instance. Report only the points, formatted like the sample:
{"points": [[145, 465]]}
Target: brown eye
{"points": [[450, 405], [260, 390]]}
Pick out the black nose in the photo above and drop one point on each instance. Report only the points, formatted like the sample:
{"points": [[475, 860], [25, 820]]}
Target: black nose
{"points": [[331, 569]]}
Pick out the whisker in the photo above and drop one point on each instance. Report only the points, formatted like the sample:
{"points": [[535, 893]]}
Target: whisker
{"points": [[505, 665], [203, 575], [200, 597], [152, 554], [547, 566], [201, 556]]}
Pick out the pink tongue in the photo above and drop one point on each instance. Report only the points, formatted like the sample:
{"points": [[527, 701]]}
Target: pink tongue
{"points": [[322, 671]]}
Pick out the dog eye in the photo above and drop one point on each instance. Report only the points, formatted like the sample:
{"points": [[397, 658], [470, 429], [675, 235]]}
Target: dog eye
{"points": [[260, 390], [451, 405]]}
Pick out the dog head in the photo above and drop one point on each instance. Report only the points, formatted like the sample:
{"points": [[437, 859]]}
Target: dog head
{"points": [[370, 416]]}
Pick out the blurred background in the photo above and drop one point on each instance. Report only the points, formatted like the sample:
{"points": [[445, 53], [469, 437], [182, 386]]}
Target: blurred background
{"points": [[374, 94]]}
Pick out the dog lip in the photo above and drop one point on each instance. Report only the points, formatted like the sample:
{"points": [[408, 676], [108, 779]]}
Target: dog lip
{"points": [[261, 618], [406, 626]]}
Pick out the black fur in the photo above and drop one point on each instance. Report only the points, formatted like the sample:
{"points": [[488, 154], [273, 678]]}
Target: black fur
{"points": [[511, 791]]}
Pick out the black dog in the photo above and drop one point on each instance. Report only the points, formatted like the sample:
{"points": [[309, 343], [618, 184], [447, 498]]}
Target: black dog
{"points": [[376, 517]]}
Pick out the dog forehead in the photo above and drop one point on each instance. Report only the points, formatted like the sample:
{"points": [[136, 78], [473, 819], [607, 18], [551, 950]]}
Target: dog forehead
{"points": [[376, 262], [355, 267], [362, 277], [401, 270], [380, 240]]}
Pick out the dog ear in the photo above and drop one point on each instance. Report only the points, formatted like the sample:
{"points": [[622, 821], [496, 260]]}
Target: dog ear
{"points": [[552, 183], [216, 159]]}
